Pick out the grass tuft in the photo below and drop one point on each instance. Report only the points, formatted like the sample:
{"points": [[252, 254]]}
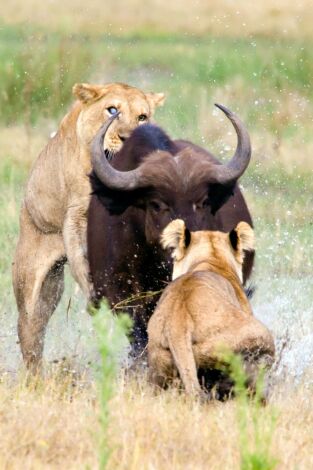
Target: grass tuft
{"points": [[38, 84], [111, 332], [256, 428]]}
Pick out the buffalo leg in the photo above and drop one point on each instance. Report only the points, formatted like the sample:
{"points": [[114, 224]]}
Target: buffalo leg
{"points": [[38, 286]]}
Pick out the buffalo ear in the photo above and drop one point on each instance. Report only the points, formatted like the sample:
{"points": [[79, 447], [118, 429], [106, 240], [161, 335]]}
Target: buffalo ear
{"points": [[87, 93], [219, 194], [155, 99], [242, 237], [177, 237]]}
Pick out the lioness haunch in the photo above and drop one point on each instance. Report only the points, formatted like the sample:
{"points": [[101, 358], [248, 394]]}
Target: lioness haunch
{"points": [[205, 310]]}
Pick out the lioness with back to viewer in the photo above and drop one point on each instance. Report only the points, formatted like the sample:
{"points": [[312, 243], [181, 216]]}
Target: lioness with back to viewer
{"points": [[205, 309], [53, 215]]}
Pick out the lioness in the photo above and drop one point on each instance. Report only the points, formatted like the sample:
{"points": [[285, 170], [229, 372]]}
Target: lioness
{"points": [[53, 215], [205, 308]]}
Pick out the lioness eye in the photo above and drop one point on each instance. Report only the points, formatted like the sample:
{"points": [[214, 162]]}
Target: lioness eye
{"points": [[142, 117], [112, 110]]}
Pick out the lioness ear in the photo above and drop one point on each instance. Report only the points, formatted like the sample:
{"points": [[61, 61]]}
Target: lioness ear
{"points": [[176, 236], [87, 93], [155, 99], [242, 237]]}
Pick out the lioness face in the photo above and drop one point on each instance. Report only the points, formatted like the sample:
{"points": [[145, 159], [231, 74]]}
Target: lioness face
{"points": [[218, 248], [100, 102]]}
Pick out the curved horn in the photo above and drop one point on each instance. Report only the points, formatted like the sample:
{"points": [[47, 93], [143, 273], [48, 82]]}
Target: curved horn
{"points": [[114, 179], [239, 162]]}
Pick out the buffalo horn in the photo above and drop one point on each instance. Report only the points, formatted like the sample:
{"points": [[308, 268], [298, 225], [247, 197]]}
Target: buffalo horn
{"points": [[235, 168], [109, 176]]}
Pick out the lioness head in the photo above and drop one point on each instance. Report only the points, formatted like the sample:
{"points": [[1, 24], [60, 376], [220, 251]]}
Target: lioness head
{"points": [[217, 248], [99, 102]]}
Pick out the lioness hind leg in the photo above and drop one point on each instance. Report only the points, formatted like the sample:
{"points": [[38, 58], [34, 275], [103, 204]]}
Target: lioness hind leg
{"points": [[161, 366], [38, 285]]}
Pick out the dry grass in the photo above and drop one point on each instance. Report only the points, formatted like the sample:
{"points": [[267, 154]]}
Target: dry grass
{"points": [[171, 431], [219, 17], [54, 425], [47, 425]]}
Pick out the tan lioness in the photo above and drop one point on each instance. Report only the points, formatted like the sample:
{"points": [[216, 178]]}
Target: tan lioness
{"points": [[205, 309], [53, 216]]}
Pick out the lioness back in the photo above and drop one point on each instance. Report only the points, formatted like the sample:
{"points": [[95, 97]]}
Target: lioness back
{"points": [[205, 310], [201, 300]]}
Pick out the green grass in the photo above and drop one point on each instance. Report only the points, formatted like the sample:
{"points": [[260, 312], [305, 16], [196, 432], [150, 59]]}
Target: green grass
{"points": [[282, 206], [111, 334], [38, 72], [255, 76], [255, 428], [12, 178]]}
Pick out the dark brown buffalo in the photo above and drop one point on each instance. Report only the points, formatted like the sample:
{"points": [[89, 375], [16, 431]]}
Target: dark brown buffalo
{"points": [[150, 182]]}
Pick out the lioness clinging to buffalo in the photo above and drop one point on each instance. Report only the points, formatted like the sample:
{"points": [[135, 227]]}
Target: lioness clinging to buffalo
{"points": [[53, 216], [205, 308]]}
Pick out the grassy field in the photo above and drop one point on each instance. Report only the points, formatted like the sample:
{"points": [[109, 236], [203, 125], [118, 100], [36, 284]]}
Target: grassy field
{"points": [[224, 18], [146, 431], [259, 62]]}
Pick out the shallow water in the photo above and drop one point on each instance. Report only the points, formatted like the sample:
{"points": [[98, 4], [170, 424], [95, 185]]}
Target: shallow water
{"points": [[283, 304]]}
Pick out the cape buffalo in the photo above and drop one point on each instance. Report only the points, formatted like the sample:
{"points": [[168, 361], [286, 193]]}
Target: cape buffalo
{"points": [[151, 181]]}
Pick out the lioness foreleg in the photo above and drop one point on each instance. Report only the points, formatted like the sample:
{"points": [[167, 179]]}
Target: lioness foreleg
{"points": [[38, 285], [74, 236]]}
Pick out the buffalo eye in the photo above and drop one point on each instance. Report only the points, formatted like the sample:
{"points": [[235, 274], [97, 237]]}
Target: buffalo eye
{"points": [[206, 202], [158, 206], [155, 206], [142, 117], [112, 110], [203, 203]]}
